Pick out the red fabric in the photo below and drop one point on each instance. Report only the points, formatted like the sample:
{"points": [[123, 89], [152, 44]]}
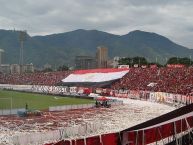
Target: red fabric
{"points": [[102, 98], [178, 126], [66, 142], [80, 142], [139, 135], [74, 142], [60, 143], [110, 139], [190, 121], [87, 91], [166, 130], [150, 135], [107, 70], [93, 140], [131, 138]]}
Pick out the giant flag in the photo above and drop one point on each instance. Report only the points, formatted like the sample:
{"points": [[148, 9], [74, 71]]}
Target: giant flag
{"points": [[94, 77]]}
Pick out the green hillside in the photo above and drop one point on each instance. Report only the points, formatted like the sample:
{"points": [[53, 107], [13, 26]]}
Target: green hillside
{"points": [[58, 49]]}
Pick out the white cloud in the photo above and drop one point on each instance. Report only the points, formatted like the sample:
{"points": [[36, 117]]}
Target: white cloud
{"points": [[172, 18]]}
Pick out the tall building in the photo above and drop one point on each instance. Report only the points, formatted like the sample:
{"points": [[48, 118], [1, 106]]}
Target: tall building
{"points": [[102, 57], [5, 68], [84, 62], [28, 68], [15, 68]]}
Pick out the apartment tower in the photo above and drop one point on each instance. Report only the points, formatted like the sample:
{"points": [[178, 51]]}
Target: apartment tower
{"points": [[102, 57]]}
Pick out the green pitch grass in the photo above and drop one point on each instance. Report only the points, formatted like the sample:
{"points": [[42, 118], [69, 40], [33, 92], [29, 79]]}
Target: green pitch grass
{"points": [[36, 101]]}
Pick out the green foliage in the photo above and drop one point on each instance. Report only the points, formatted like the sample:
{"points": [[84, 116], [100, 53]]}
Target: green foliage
{"points": [[177, 60], [63, 68], [158, 64], [173, 60], [37, 101], [125, 61], [47, 70], [131, 61], [140, 61]]}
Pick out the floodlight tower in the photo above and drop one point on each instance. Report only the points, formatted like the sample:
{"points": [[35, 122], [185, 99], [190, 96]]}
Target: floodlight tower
{"points": [[1, 51], [22, 38]]}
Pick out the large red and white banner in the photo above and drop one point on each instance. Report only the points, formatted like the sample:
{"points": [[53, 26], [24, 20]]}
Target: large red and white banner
{"points": [[95, 75]]}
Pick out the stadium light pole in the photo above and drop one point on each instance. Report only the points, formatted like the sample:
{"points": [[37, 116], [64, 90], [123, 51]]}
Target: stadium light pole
{"points": [[1, 51]]}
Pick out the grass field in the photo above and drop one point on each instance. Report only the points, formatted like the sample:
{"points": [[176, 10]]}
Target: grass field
{"points": [[36, 101]]}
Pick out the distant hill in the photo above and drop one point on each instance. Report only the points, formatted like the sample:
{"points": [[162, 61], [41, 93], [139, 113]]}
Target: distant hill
{"points": [[58, 49]]}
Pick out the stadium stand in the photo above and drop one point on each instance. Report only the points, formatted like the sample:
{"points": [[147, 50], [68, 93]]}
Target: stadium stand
{"points": [[171, 80], [152, 131], [39, 78]]}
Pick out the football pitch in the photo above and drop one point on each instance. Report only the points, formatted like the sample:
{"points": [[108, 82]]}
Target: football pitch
{"points": [[36, 101]]}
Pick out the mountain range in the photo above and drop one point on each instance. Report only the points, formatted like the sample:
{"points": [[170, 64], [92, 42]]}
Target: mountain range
{"points": [[59, 49]]}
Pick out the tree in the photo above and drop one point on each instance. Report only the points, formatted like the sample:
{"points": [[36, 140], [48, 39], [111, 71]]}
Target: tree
{"points": [[131, 61], [125, 61], [140, 61], [173, 60], [62, 68], [47, 70], [158, 64], [176, 60], [186, 61]]}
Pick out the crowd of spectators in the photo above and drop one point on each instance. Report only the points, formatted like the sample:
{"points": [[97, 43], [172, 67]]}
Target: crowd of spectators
{"points": [[38, 78], [171, 80]]}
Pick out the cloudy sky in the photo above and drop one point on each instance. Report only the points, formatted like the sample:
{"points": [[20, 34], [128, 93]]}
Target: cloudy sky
{"points": [[171, 18]]}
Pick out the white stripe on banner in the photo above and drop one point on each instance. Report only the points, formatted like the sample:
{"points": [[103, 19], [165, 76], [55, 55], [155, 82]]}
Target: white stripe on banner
{"points": [[95, 77]]}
